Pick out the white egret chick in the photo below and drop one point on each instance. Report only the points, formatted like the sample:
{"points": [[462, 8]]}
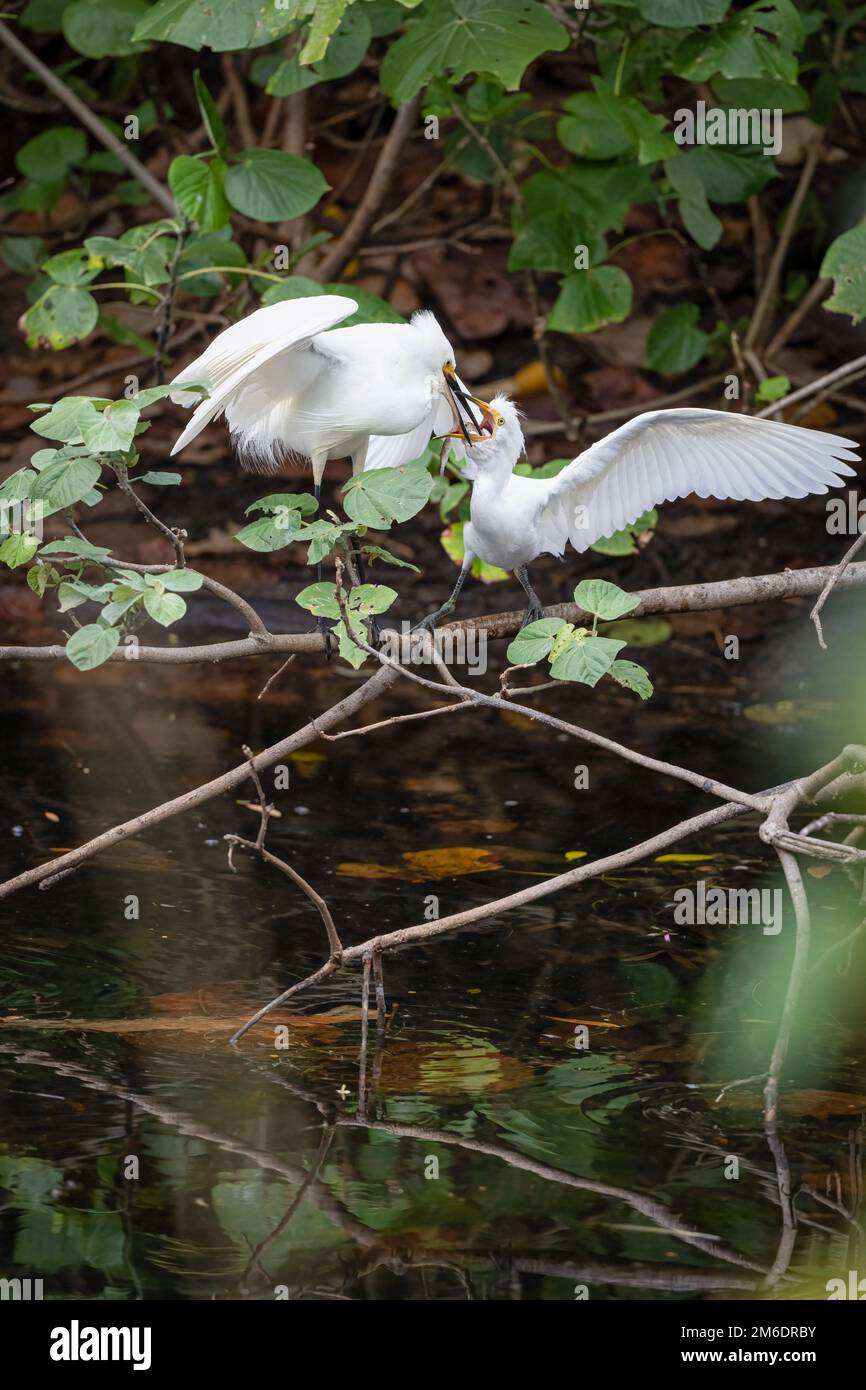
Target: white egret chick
{"points": [[292, 385], [656, 457]]}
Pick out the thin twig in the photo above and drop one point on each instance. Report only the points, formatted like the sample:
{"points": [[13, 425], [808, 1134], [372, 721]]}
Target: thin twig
{"points": [[88, 118]]}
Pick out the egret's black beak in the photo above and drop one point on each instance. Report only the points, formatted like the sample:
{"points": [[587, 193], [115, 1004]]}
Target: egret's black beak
{"points": [[478, 428]]}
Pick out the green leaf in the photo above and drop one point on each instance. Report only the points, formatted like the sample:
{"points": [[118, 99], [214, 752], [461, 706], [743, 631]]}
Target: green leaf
{"points": [[62, 316], [750, 93], [39, 576], [371, 309], [675, 343], [17, 486], [113, 429], [234, 25], [122, 600], [213, 121], [160, 479], [293, 287], [534, 641], [164, 608], [74, 545], [633, 677], [382, 495], [103, 31], [698, 217], [92, 645], [271, 186], [65, 421], [349, 650], [845, 264], [71, 267], [591, 298], [497, 37], [378, 552], [682, 14], [203, 251], [197, 187], [302, 502], [550, 241], [326, 16], [64, 483], [18, 549], [371, 598], [622, 542], [729, 175], [604, 599], [586, 659], [319, 599], [644, 129], [271, 533], [181, 581], [588, 130], [49, 156], [23, 254], [773, 388]]}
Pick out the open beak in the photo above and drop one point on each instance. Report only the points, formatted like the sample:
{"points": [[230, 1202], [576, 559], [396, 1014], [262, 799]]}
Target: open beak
{"points": [[471, 427]]}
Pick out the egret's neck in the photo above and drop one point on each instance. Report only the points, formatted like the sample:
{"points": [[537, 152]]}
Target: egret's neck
{"points": [[495, 471]]}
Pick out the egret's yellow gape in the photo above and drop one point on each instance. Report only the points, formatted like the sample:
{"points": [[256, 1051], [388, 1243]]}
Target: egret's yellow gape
{"points": [[654, 458]]}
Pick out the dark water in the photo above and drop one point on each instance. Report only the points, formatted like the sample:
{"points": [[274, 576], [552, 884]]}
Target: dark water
{"points": [[497, 1157]]}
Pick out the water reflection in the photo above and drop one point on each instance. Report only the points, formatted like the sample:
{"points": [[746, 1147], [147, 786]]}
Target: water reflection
{"points": [[479, 1154]]}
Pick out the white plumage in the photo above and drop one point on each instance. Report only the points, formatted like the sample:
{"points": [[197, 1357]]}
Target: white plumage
{"points": [[292, 384], [654, 458]]}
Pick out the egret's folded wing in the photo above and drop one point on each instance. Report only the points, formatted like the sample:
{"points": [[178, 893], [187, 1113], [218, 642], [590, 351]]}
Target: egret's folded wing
{"points": [[664, 454], [392, 450], [242, 349]]}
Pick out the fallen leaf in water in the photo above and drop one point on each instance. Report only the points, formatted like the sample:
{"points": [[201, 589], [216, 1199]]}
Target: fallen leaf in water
{"points": [[426, 865], [683, 858], [575, 854], [819, 871], [53, 817]]}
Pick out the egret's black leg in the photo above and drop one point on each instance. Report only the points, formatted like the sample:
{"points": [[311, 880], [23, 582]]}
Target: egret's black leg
{"points": [[322, 623], [534, 610], [361, 572], [433, 619]]}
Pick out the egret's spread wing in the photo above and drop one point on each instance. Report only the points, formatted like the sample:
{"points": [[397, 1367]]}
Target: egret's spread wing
{"points": [[392, 450], [664, 454], [241, 350]]}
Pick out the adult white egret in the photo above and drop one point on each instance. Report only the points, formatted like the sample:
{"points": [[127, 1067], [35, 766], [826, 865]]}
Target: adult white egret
{"points": [[292, 385], [656, 457]]}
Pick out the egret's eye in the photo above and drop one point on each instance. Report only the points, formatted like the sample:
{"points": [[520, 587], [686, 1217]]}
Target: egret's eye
{"points": [[499, 420], [448, 366]]}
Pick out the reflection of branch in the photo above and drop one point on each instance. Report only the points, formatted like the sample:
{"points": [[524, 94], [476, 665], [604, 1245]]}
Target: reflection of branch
{"points": [[322, 1197]]}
